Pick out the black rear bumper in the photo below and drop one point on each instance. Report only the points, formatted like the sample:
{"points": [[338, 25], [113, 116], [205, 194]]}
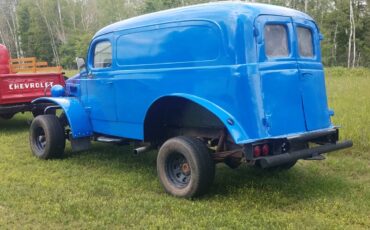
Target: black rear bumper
{"points": [[296, 147], [271, 161]]}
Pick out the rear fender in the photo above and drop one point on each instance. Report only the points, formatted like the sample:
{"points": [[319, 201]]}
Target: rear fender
{"points": [[78, 119], [235, 129]]}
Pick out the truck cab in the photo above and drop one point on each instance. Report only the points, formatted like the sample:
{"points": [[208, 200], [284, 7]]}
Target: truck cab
{"points": [[225, 82], [23, 80]]}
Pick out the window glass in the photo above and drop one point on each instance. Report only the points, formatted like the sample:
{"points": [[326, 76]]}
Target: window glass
{"points": [[305, 42], [276, 41], [103, 55], [169, 45]]}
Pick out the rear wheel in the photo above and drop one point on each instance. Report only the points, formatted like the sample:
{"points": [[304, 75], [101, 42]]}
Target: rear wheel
{"points": [[185, 167], [47, 137]]}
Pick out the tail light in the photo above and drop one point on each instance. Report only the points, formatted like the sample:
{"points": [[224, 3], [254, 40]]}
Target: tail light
{"points": [[265, 149], [256, 151], [261, 150]]}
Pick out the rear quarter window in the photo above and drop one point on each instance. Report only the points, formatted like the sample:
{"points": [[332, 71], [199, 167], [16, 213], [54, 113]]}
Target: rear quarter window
{"points": [[276, 40], [305, 42]]}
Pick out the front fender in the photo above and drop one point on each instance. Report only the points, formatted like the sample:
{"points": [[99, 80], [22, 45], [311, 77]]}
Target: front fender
{"points": [[235, 129], [78, 119]]}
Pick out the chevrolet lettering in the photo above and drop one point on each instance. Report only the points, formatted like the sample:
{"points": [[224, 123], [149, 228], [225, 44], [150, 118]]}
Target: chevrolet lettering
{"points": [[33, 85]]}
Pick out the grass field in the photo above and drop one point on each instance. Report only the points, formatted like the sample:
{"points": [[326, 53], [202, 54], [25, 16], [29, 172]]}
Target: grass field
{"points": [[109, 188]]}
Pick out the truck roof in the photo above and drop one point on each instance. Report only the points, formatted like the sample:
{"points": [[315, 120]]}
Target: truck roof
{"points": [[216, 11]]}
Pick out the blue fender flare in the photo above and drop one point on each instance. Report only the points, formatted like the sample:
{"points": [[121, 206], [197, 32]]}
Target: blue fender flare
{"points": [[235, 129], [75, 112]]}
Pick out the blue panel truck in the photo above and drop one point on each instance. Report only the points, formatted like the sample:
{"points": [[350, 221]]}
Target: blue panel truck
{"points": [[226, 82]]}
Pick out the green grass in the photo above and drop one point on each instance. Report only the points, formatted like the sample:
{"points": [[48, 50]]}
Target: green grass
{"points": [[107, 187]]}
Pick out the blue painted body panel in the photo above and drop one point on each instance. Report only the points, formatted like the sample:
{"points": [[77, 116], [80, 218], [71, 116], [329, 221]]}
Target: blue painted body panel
{"points": [[78, 118], [265, 97]]}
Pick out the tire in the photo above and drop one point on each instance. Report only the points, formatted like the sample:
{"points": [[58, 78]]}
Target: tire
{"points": [[47, 137], [185, 167], [7, 116]]}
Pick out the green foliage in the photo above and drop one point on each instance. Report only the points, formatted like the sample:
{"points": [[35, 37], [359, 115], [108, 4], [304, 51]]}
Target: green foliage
{"points": [[76, 46], [157, 5], [108, 188], [33, 31], [349, 96]]}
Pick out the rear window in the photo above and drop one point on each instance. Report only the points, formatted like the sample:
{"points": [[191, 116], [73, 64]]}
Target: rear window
{"points": [[276, 41], [305, 42], [103, 55]]}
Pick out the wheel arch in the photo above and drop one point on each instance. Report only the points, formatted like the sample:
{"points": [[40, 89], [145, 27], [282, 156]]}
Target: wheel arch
{"points": [[77, 117], [237, 133]]}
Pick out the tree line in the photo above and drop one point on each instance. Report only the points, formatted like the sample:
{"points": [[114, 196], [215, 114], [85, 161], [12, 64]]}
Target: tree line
{"points": [[57, 31]]}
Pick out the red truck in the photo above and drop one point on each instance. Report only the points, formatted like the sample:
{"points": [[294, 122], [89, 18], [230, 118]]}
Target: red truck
{"points": [[22, 80]]}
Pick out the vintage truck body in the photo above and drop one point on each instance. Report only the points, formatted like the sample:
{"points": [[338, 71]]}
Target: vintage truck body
{"points": [[18, 89], [245, 79]]}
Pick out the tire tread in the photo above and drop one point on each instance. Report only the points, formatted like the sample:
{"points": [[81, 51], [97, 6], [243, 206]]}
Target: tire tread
{"points": [[54, 133], [200, 154]]}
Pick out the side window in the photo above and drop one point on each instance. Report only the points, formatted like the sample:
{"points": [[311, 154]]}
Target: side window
{"points": [[276, 40], [103, 55], [305, 42]]}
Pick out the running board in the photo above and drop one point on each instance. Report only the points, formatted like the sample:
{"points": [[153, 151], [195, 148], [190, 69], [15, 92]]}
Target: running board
{"points": [[106, 139]]}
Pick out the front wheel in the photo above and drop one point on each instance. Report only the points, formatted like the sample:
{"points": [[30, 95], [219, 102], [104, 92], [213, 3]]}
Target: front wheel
{"points": [[185, 167], [47, 137]]}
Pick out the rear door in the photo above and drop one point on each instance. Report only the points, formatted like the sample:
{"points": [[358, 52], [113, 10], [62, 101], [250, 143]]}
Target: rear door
{"points": [[311, 75], [279, 75]]}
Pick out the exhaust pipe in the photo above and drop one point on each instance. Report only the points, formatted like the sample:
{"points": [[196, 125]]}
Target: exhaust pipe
{"points": [[141, 150]]}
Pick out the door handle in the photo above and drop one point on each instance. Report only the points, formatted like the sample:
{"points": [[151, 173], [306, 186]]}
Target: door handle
{"points": [[306, 75]]}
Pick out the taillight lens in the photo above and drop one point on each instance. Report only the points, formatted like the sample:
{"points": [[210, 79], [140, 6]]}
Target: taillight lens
{"points": [[257, 151], [265, 149], [261, 150]]}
